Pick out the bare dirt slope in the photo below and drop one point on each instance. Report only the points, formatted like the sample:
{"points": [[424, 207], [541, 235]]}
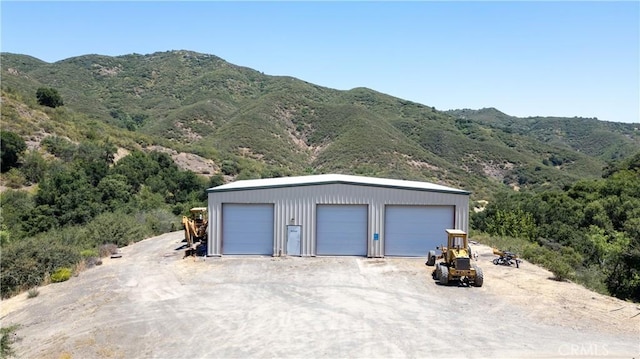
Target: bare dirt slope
{"points": [[559, 303], [151, 303]]}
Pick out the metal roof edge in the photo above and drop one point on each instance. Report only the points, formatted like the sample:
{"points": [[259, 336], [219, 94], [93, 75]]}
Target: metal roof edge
{"points": [[454, 191]]}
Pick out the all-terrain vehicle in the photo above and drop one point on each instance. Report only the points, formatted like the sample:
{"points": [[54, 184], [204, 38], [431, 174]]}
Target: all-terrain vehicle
{"points": [[505, 258]]}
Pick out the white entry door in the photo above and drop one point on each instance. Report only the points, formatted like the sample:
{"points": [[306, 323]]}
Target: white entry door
{"points": [[293, 240]]}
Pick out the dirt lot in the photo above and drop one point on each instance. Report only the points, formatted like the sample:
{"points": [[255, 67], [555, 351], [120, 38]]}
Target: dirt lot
{"points": [[151, 303]]}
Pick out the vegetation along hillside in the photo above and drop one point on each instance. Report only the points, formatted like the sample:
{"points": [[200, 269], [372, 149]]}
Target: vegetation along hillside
{"points": [[97, 147]]}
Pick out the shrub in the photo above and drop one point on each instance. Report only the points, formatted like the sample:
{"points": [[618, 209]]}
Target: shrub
{"points": [[5, 235], [91, 258], [560, 262], [14, 178], [560, 269], [229, 167], [11, 148], [118, 228], [88, 253], [216, 180], [106, 250], [157, 222], [25, 262], [537, 254], [49, 97], [32, 293], [61, 275], [593, 278], [60, 147], [71, 236], [515, 245], [34, 166], [93, 261], [8, 336]]}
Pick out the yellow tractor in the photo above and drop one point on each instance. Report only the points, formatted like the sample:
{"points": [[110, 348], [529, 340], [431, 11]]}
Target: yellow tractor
{"points": [[195, 229], [455, 264]]}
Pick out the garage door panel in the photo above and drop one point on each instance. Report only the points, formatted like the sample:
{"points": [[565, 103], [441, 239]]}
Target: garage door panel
{"points": [[414, 230], [247, 229], [341, 230]]}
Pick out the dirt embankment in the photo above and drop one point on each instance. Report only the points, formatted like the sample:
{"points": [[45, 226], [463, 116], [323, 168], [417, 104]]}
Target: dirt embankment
{"points": [[558, 303]]}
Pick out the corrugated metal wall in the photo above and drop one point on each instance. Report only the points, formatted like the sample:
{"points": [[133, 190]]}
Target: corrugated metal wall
{"points": [[297, 206]]}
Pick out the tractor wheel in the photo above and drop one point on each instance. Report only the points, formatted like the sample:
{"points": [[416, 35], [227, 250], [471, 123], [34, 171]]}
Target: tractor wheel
{"points": [[444, 275], [479, 277], [495, 261], [431, 260]]}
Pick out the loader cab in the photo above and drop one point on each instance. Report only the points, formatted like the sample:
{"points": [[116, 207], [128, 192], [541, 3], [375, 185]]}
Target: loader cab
{"points": [[457, 239], [198, 214]]}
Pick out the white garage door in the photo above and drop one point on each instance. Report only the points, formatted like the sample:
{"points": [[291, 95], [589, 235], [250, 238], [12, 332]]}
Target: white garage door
{"points": [[413, 230], [247, 229], [341, 230]]}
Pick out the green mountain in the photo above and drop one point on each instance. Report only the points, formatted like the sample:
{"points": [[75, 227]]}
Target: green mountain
{"points": [[604, 140], [255, 125]]}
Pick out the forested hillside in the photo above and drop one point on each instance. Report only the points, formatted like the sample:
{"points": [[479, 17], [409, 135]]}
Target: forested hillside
{"points": [[93, 151], [85, 204], [201, 104], [589, 231]]}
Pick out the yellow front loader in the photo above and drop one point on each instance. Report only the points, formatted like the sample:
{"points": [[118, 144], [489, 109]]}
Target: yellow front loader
{"points": [[455, 261], [195, 228]]}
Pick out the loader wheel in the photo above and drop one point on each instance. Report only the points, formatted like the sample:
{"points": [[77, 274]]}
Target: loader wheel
{"points": [[495, 261], [431, 260], [436, 272], [444, 275], [479, 277]]}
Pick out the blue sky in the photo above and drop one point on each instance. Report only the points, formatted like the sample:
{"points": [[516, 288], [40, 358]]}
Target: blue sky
{"points": [[523, 58]]}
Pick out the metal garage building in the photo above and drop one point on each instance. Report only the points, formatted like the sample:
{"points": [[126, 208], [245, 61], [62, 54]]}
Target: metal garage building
{"points": [[329, 215]]}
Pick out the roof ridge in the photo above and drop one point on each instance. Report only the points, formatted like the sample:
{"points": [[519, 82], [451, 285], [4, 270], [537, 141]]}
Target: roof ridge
{"points": [[307, 180]]}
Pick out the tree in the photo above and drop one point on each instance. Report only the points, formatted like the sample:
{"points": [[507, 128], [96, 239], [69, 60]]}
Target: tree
{"points": [[623, 280], [114, 192], [16, 206], [189, 184], [49, 97], [137, 167], [512, 223], [69, 194], [94, 159], [11, 147]]}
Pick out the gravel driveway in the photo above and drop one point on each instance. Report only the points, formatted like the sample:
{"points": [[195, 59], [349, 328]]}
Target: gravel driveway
{"points": [[152, 303]]}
